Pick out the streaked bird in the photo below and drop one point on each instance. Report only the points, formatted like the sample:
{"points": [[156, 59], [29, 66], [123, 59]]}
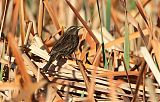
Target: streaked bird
{"points": [[65, 46]]}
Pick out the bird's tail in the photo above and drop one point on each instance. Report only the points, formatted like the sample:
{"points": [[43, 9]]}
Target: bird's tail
{"points": [[51, 59]]}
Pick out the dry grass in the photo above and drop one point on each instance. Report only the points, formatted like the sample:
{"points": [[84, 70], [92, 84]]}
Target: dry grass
{"points": [[129, 30]]}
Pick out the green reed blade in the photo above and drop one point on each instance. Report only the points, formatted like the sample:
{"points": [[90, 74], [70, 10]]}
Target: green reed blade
{"points": [[108, 14], [103, 49], [126, 43]]}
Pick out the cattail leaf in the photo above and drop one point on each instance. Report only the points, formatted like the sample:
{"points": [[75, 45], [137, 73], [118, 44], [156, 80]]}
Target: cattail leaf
{"points": [[85, 8], [126, 44], [108, 14], [103, 50]]}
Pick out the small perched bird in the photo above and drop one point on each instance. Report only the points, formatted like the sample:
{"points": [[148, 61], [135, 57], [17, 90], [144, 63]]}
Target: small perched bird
{"points": [[65, 46]]}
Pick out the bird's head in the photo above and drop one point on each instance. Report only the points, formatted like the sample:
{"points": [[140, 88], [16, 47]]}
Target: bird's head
{"points": [[73, 30]]}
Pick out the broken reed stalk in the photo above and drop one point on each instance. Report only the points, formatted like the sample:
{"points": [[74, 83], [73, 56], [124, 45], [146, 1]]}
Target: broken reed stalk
{"points": [[119, 73], [94, 75], [15, 16], [85, 77], [92, 86], [32, 67], [30, 25], [112, 94], [40, 17], [4, 17], [22, 22]]}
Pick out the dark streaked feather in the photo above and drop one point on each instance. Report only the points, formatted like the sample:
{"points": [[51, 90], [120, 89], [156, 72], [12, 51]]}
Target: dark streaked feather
{"points": [[65, 46]]}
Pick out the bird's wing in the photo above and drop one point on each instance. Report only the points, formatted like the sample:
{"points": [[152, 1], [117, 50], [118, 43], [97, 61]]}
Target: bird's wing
{"points": [[58, 42], [61, 44], [68, 46]]}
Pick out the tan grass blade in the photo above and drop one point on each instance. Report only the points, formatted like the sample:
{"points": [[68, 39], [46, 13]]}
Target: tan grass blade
{"points": [[156, 47], [150, 63]]}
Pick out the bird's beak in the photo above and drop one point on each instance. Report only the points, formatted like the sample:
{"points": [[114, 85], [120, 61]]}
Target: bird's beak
{"points": [[80, 27]]}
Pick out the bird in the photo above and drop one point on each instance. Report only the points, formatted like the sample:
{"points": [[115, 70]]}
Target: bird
{"points": [[65, 46]]}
